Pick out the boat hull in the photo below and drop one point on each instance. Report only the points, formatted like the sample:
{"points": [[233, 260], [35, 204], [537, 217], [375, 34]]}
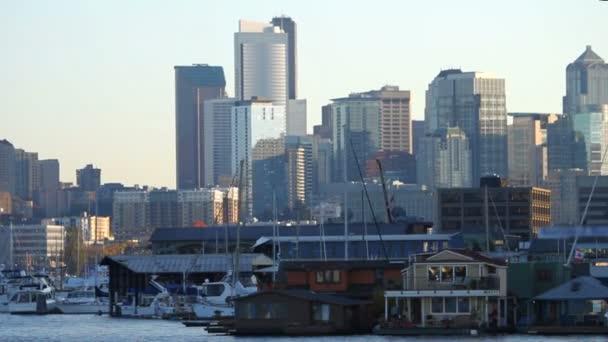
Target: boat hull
{"points": [[92, 308], [211, 311], [31, 308]]}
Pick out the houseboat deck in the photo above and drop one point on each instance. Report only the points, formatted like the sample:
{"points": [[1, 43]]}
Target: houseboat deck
{"points": [[572, 330]]}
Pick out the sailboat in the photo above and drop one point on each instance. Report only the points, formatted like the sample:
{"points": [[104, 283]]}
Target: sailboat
{"points": [[87, 300], [214, 299]]}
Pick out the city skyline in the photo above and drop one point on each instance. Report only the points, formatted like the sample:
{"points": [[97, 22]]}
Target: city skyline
{"points": [[83, 111]]}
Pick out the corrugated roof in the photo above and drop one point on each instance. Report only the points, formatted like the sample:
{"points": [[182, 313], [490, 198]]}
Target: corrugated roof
{"points": [[581, 288], [190, 263]]}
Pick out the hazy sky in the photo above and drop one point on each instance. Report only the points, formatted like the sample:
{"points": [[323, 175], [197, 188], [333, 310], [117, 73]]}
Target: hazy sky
{"points": [[92, 81]]}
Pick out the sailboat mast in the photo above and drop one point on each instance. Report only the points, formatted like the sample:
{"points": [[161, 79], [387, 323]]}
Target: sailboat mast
{"points": [[487, 218]]}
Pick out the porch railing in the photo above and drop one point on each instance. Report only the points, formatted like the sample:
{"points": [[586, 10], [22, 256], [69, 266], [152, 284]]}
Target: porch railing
{"points": [[466, 283]]}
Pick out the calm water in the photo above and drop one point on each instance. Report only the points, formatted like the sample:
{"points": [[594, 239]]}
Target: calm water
{"points": [[94, 328]]}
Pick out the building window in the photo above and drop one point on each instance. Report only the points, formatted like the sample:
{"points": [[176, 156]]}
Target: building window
{"points": [[320, 312], [447, 274], [434, 273], [450, 305], [328, 277]]}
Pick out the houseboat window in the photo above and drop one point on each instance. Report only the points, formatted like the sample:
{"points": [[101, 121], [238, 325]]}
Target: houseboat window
{"points": [[491, 269], [425, 246], [434, 273], [463, 305], [598, 305], [450, 304], [320, 312], [328, 277], [437, 304], [460, 273], [447, 274]]}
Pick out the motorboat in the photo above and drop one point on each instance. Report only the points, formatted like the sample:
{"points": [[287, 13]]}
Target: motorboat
{"points": [[158, 304], [10, 281], [36, 298], [87, 300], [215, 298]]}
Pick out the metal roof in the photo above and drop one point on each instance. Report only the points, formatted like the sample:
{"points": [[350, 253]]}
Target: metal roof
{"points": [[371, 237], [581, 288], [189, 263]]}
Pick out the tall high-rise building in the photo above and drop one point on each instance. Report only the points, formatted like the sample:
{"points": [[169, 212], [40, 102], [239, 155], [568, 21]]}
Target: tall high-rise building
{"points": [[88, 178], [325, 129], [296, 117], [586, 83], [527, 138], [7, 167], [217, 134], [193, 86], [444, 159], [565, 147], [258, 140], [418, 131], [26, 174], [593, 127], [299, 152], [48, 191], [474, 102], [395, 118], [261, 62], [289, 26], [130, 219], [356, 127]]}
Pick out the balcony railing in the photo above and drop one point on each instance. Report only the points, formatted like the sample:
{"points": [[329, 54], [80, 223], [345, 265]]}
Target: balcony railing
{"points": [[467, 283]]}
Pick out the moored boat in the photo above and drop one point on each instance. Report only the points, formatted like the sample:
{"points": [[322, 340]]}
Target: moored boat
{"points": [[84, 301]]}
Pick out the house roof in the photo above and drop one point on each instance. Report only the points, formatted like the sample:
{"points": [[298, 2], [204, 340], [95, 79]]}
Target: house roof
{"points": [[581, 288], [190, 263], [309, 296], [307, 265], [465, 255]]}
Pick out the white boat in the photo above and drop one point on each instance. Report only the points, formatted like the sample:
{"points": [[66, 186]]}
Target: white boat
{"points": [[150, 306], [10, 281], [215, 298], [83, 301], [34, 298]]}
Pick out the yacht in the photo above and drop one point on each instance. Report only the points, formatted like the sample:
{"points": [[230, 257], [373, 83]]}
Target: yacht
{"points": [[38, 297], [10, 281], [158, 305], [215, 298], [87, 300]]}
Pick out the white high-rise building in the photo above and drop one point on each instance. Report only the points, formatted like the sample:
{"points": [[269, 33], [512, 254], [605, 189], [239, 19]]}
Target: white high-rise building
{"points": [[218, 134], [261, 62], [296, 117]]}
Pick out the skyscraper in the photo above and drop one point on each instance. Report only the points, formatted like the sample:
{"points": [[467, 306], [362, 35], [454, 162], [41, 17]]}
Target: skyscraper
{"points": [[444, 159], [7, 167], [88, 178], [48, 191], [527, 138], [565, 147], [593, 127], [586, 83], [474, 102], [261, 64], [300, 171], [395, 118], [290, 28], [217, 135], [26, 174], [193, 85], [296, 117], [356, 127], [258, 139]]}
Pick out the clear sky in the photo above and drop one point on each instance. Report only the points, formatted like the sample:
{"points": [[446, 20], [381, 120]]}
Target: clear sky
{"points": [[92, 81]]}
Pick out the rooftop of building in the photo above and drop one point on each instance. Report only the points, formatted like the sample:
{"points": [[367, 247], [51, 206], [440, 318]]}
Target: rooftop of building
{"points": [[308, 296], [588, 57], [202, 74], [6, 142], [190, 263]]}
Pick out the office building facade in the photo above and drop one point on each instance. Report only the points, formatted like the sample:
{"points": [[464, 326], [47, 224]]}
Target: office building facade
{"points": [[88, 178], [7, 167], [287, 25], [527, 136], [586, 83], [476, 103], [193, 86], [261, 62]]}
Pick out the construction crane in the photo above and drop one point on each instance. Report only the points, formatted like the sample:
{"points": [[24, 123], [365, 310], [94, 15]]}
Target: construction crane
{"points": [[386, 203]]}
